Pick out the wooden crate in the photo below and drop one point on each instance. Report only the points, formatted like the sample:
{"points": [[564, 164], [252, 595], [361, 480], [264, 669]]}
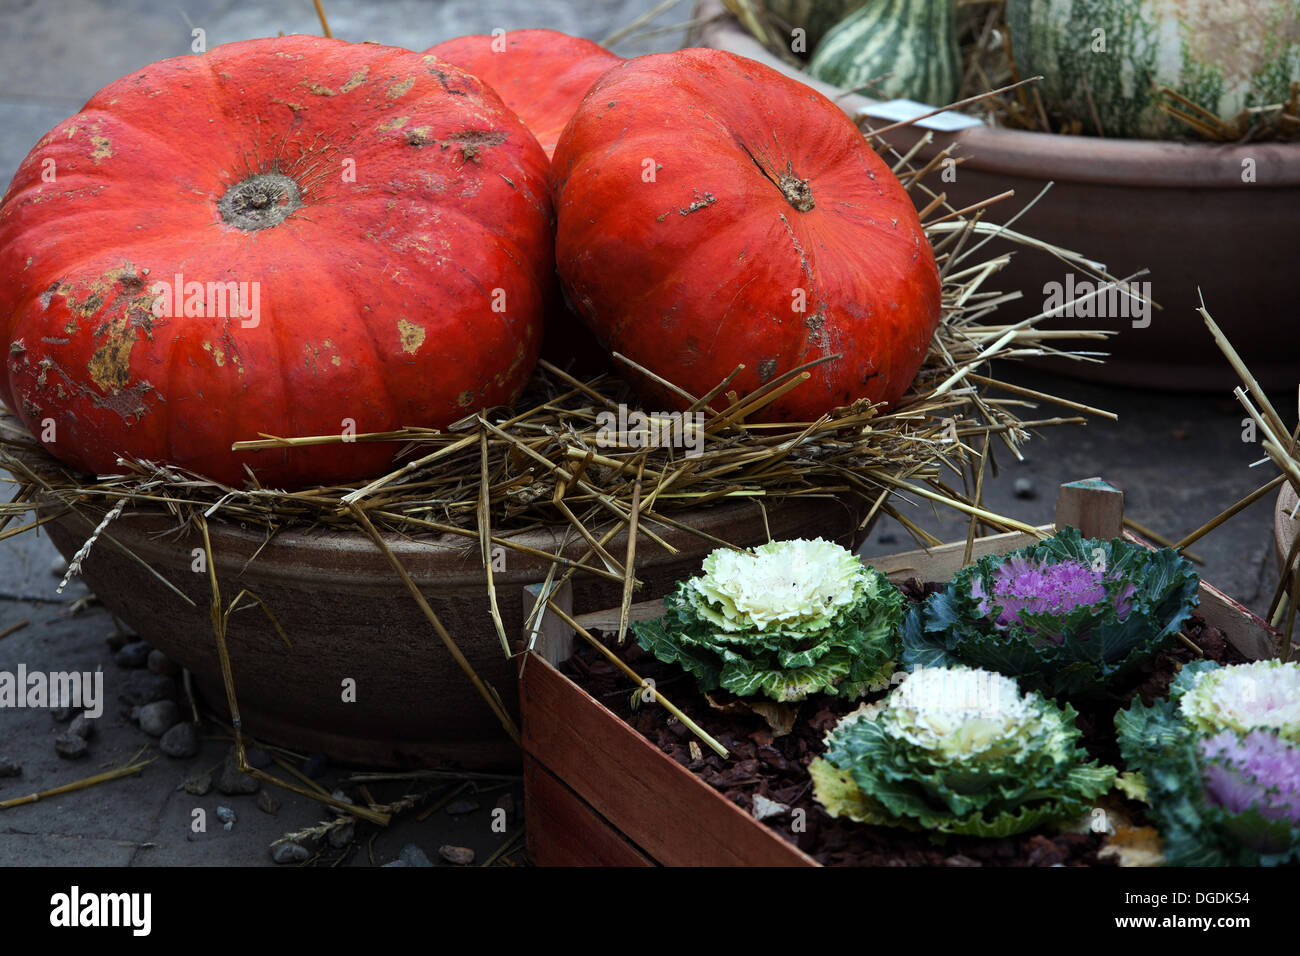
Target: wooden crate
{"points": [[597, 793]]}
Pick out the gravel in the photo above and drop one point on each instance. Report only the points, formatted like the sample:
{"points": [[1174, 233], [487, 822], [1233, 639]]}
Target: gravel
{"points": [[412, 855], [232, 781], [70, 746], [460, 855], [159, 717], [133, 655], [289, 853], [82, 726], [181, 740]]}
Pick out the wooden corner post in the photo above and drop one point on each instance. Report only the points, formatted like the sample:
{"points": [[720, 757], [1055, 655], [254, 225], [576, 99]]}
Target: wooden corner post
{"points": [[1093, 506]]}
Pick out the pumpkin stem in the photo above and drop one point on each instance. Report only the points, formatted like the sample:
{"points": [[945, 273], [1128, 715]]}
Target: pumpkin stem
{"points": [[260, 201], [796, 191]]}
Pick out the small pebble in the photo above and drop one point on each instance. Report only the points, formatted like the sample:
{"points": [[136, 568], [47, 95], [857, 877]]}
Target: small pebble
{"points": [[315, 766], [160, 663], [232, 781], [289, 853], [412, 855], [342, 797], [70, 746], [182, 740], [159, 717], [460, 855], [1025, 488], [133, 655], [257, 757], [62, 714], [267, 803], [117, 641], [765, 808], [82, 726], [143, 688], [199, 784], [226, 815], [58, 568], [341, 836], [10, 769], [461, 807]]}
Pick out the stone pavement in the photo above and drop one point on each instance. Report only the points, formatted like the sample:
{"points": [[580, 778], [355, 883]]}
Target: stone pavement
{"points": [[1180, 459]]}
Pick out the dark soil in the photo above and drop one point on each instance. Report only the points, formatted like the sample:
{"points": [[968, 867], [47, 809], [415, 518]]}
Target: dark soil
{"points": [[777, 768]]}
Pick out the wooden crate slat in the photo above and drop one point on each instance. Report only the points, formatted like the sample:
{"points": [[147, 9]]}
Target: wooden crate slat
{"points": [[942, 562], [1246, 631], [662, 806], [563, 830]]}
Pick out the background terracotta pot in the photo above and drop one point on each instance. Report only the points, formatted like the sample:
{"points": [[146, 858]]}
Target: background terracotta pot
{"points": [[1186, 212], [348, 616]]}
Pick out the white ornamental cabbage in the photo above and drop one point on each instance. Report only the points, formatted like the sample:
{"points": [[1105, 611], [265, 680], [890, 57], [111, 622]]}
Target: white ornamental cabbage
{"points": [[783, 585], [964, 712], [786, 620], [959, 751], [1262, 695]]}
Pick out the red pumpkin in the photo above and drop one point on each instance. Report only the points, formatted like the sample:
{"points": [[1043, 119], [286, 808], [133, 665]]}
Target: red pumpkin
{"points": [[541, 74], [384, 216], [712, 212]]}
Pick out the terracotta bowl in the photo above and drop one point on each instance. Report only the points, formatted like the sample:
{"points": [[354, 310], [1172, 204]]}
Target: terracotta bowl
{"points": [[1180, 210], [349, 616]]}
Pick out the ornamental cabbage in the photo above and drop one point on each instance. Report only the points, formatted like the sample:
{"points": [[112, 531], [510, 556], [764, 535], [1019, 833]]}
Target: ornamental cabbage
{"points": [[1262, 694], [958, 751], [1071, 616], [1221, 761], [787, 619]]}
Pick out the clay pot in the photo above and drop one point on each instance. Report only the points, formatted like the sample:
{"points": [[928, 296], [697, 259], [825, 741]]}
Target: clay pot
{"points": [[348, 616], [1183, 211]]}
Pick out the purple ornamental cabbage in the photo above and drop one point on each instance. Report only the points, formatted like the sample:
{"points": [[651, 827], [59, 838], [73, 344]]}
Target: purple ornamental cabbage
{"points": [[1022, 584], [1069, 617], [1259, 770]]}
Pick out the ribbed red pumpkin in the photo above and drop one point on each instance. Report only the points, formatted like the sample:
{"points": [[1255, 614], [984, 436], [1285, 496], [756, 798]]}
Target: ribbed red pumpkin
{"points": [[541, 74], [390, 217], [712, 212]]}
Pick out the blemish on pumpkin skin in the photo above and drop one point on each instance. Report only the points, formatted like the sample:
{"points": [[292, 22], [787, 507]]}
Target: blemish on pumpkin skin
{"points": [[217, 354], [412, 336], [355, 80], [397, 122], [400, 89], [319, 89], [103, 149], [701, 202], [766, 369], [465, 399], [110, 366]]}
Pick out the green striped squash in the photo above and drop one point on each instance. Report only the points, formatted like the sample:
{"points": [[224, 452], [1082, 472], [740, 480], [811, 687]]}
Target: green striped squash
{"points": [[814, 17], [1225, 55], [914, 41]]}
